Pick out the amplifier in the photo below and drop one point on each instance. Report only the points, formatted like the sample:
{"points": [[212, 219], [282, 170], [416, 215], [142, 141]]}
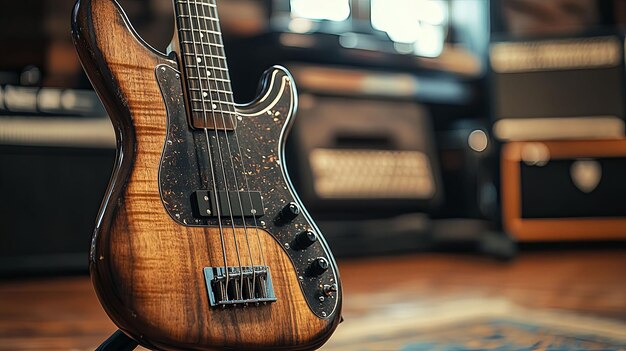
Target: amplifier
{"points": [[53, 175], [369, 156], [564, 190], [561, 88]]}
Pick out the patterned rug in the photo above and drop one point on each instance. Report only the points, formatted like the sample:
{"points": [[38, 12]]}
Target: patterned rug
{"points": [[477, 325]]}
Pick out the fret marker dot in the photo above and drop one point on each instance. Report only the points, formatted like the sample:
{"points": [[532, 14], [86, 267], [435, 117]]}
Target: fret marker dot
{"points": [[201, 35], [214, 106], [208, 73], [205, 94], [199, 60]]}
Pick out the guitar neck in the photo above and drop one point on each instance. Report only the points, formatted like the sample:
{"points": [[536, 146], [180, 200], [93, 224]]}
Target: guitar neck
{"points": [[204, 63]]}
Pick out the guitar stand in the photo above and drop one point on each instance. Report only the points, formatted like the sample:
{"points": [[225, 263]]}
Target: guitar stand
{"points": [[118, 342]]}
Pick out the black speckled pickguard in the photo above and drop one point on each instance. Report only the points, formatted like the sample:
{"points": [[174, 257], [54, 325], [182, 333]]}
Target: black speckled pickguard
{"points": [[186, 167]]}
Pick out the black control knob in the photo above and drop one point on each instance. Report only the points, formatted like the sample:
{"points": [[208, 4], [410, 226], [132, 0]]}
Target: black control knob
{"points": [[287, 214], [318, 266], [305, 239], [329, 290]]}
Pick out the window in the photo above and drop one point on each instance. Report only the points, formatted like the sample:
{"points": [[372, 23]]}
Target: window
{"points": [[332, 10], [420, 23]]}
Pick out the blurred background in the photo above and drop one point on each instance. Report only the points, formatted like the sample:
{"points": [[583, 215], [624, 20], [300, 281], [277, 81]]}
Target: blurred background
{"points": [[465, 160]]}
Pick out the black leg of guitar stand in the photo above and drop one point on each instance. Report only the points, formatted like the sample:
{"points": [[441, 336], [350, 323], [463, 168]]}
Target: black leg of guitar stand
{"points": [[118, 342]]}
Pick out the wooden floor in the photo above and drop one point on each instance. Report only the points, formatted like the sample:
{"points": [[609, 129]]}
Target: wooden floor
{"points": [[63, 313]]}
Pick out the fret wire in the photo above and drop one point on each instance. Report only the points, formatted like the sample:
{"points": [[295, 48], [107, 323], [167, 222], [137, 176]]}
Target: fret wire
{"points": [[202, 90], [197, 34], [222, 103], [205, 89], [198, 16], [209, 78], [192, 89], [210, 87], [204, 86], [192, 42], [196, 55], [207, 67], [219, 106], [194, 58], [218, 111], [187, 32], [203, 79], [203, 32], [192, 64], [220, 72], [213, 32], [221, 109], [217, 91], [210, 44], [218, 68]]}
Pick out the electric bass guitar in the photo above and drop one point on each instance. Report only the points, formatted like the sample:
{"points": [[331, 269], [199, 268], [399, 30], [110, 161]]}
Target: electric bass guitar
{"points": [[201, 242]]}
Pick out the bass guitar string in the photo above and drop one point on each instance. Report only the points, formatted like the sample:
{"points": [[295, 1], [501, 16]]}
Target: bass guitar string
{"points": [[227, 87], [210, 156], [215, 105], [215, 29]]}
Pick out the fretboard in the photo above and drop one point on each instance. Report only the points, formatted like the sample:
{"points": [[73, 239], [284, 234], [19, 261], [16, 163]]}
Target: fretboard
{"points": [[204, 61]]}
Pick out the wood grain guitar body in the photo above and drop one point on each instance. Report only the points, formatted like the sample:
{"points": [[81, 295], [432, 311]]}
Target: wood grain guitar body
{"points": [[147, 267]]}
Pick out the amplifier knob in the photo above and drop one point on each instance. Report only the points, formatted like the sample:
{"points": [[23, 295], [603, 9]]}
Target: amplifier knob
{"points": [[305, 239], [319, 266]]}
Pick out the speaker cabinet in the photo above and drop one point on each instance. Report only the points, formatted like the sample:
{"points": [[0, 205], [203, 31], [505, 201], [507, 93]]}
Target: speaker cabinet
{"points": [[564, 190], [53, 175]]}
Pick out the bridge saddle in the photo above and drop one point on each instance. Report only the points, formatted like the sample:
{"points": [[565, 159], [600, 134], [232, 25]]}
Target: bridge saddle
{"points": [[239, 286]]}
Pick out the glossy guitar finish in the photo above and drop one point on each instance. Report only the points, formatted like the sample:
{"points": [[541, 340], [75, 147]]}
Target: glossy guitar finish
{"points": [[147, 260]]}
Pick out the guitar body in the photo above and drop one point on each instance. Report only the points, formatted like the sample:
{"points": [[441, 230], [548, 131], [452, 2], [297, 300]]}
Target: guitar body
{"points": [[148, 266]]}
